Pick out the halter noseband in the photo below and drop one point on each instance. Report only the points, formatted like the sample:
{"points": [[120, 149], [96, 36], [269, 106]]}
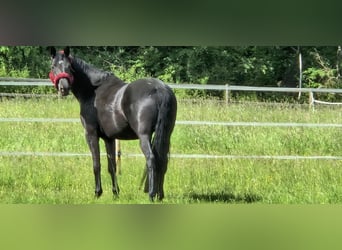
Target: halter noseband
{"points": [[55, 78]]}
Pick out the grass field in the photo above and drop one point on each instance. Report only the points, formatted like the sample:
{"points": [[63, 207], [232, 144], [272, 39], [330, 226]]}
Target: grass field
{"points": [[69, 180]]}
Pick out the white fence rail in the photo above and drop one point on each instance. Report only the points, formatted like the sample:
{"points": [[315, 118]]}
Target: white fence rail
{"points": [[8, 81]]}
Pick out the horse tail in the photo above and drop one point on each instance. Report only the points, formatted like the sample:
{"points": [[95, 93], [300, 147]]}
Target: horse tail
{"points": [[164, 126], [165, 123]]}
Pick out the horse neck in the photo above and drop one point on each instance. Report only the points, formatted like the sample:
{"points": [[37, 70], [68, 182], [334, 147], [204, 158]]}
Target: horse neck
{"points": [[87, 79], [82, 86]]}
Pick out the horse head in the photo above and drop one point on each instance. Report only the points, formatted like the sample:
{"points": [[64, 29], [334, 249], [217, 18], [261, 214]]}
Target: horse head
{"points": [[61, 70]]}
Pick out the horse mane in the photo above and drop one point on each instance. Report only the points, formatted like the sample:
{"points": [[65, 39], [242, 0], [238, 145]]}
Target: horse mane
{"points": [[95, 75]]}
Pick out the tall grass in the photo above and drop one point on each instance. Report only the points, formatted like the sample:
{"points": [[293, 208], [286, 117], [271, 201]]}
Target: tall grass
{"points": [[69, 180]]}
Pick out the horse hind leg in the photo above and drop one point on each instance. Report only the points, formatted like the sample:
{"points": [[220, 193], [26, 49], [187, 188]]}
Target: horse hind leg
{"points": [[144, 181], [151, 181], [161, 185], [110, 148], [160, 180]]}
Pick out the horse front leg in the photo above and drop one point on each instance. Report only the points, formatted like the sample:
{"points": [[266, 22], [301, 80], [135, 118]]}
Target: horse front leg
{"points": [[93, 143], [110, 148]]}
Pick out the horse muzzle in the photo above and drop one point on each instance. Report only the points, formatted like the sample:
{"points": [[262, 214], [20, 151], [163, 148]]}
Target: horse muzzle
{"points": [[63, 86]]}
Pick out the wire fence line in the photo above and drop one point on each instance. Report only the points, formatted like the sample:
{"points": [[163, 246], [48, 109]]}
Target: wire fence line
{"points": [[195, 123], [179, 156], [259, 124]]}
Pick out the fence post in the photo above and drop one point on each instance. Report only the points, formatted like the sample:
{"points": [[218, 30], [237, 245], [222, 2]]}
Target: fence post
{"points": [[227, 93], [311, 101]]}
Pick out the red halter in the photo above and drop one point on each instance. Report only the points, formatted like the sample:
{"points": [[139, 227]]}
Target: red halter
{"points": [[55, 78]]}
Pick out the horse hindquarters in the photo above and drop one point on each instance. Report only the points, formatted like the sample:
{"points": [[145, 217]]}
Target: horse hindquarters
{"points": [[161, 141]]}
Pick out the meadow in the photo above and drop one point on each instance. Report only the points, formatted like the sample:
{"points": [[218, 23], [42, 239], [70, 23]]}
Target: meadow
{"points": [[51, 179]]}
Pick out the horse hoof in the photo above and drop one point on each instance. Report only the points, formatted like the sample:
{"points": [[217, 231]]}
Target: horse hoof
{"points": [[98, 194], [116, 192], [151, 198]]}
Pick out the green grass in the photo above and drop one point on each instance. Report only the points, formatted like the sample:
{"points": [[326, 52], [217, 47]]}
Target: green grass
{"points": [[69, 180]]}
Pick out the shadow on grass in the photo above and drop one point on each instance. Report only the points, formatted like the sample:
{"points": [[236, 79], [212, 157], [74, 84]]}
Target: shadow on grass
{"points": [[224, 197]]}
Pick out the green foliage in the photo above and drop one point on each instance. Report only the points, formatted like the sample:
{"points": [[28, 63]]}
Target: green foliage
{"points": [[23, 61], [234, 65], [313, 77], [322, 73]]}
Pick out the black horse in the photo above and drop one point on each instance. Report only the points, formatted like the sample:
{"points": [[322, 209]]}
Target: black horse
{"points": [[112, 109]]}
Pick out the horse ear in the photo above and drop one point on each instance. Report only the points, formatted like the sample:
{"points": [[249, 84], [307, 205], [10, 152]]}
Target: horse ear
{"points": [[67, 51], [53, 52]]}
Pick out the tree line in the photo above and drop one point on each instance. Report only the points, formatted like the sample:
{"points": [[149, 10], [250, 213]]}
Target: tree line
{"points": [[235, 65]]}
